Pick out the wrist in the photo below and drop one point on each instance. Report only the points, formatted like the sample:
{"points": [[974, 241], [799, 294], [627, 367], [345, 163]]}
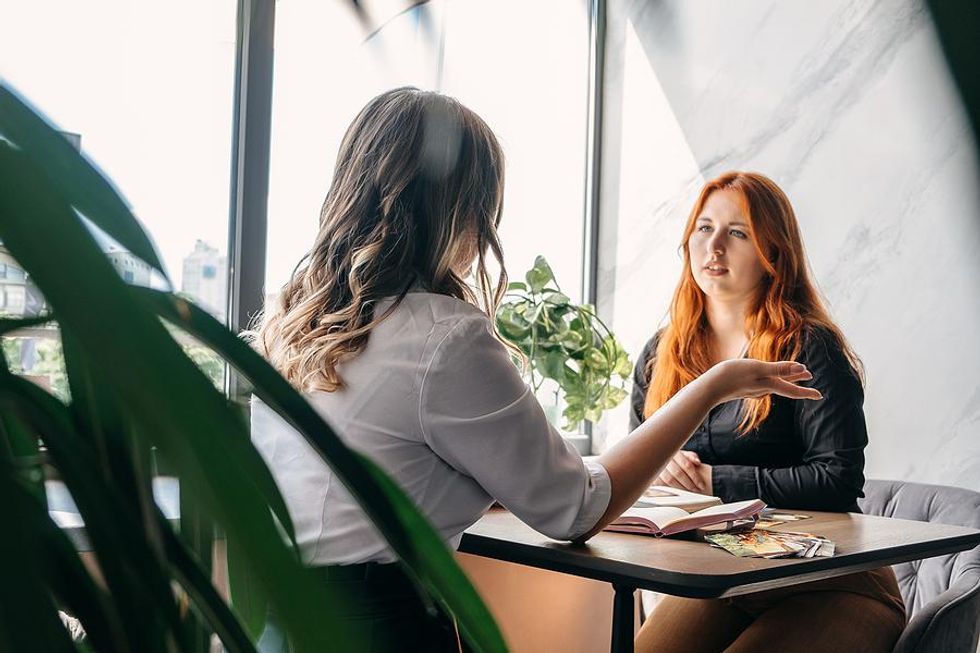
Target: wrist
{"points": [[715, 385]]}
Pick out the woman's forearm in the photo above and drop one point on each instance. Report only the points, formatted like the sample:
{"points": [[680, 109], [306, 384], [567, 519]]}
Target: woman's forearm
{"points": [[827, 484], [633, 463]]}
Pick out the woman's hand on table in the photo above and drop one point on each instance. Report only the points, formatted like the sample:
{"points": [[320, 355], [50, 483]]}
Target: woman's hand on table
{"points": [[686, 472]]}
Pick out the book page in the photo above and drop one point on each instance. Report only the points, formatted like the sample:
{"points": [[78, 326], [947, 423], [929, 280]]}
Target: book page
{"points": [[654, 517], [662, 495], [735, 508], [714, 515]]}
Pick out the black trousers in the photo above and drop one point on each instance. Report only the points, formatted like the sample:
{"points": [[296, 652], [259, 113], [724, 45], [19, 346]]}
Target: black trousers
{"points": [[383, 609]]}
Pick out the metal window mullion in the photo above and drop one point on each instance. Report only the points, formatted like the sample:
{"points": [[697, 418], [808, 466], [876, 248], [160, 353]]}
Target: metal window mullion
{"points": [[593, 149], [252, 126], [593, 159], [251, 135]]}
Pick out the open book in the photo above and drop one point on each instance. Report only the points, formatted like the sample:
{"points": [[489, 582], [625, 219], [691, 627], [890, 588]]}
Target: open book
{"points": [[667, 520], [662, 495]]}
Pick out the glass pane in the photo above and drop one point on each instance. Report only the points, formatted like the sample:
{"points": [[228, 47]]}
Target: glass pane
{"points": [[532, 93], [145, 90], [524, 67]]}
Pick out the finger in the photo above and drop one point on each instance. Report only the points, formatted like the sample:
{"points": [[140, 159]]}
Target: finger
{"points": [[786, 389], [799, 376], [677, 478], [687, 479], [689, 466], [693, 457], [789, 368], [705, 478], [666, 478]]}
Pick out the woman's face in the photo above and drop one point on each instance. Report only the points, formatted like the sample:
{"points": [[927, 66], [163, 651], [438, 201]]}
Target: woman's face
{"points": [[724, 260]]}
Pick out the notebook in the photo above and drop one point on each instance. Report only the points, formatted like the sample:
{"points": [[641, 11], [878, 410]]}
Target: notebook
{"points": [[668, 520], [662, 495]]}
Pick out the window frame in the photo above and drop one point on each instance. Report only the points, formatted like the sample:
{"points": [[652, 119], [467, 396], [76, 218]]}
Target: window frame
{"points": [[250, 161]]}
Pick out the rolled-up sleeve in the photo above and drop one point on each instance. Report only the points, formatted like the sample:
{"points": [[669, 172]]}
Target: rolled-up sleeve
{"points": [[477, 414]]}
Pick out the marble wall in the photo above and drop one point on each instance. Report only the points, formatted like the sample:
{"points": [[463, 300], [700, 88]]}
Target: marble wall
{"points": [[848, 105]]}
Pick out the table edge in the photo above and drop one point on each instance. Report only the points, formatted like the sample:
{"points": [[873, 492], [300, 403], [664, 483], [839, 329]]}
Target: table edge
{"points": [[707, 585]]}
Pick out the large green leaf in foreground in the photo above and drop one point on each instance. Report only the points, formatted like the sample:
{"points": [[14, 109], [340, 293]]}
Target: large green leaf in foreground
{"points": [[78, 180], [140, 372], [413, 538], [164, 393]]}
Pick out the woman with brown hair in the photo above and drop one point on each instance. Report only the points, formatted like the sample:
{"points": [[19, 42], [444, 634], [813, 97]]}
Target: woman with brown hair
{"points": [[746, 291], [380, 329]]}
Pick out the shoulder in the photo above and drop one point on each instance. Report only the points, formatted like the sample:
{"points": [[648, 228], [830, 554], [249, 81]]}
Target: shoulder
{"points": [[817, 341], [422, 325], [434, 314], [641, 377], [452, 329], [649, 350], [823, 352]]}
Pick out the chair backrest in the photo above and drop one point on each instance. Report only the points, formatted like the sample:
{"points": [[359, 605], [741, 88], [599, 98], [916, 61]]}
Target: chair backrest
{"points": [[942, 594], [921, 581]]}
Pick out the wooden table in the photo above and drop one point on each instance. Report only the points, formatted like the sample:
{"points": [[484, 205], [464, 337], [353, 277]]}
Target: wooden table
{"points": [[696, 570]]}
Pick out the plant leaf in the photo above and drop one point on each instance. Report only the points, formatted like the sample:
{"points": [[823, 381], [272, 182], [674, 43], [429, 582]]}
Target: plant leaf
{"points": [[189, 420], [79, 181], [131, 571], [10, 325], [202, 593], [419, 547], [540, 275], [193, 426], [29, 619], [73, 585]]}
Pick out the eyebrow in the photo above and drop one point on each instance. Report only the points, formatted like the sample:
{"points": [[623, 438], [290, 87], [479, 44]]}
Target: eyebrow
{"points": [[707, 218]]}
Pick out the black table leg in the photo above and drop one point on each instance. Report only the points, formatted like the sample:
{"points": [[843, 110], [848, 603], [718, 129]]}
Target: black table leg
{"points": [[622, 623]]}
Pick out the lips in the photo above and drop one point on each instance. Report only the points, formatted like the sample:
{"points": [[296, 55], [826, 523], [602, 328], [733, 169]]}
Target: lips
{"points": [[715, 268]]}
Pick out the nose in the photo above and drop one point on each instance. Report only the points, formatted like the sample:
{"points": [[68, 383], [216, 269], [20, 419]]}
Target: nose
{"points": [[716, 243]]}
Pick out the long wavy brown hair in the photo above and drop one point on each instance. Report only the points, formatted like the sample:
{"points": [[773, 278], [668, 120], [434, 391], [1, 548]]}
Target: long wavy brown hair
{"points": [[786, 305], [417, 192]]}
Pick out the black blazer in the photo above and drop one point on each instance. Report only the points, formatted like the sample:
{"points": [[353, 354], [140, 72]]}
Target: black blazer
{"points": [[806, 454]]}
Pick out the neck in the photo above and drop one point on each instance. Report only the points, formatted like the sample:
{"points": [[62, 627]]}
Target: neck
{"points": [[726, 320]]}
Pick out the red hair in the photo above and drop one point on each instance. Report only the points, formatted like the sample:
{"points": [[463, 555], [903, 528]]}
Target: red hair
{"points": [[786, 305]]}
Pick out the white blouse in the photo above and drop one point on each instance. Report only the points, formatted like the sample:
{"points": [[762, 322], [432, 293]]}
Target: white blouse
{"points": [[435, 400]]}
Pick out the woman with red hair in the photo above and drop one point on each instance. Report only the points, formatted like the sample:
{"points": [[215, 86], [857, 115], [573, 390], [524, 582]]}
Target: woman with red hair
{"points": [[746, 291]]}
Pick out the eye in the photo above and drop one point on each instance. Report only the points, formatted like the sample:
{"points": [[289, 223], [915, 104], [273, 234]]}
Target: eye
{"points": [[705, 228], [738, 233]]}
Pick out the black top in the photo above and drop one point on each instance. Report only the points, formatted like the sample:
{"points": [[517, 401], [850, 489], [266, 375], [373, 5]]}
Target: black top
{"points": [[806, 454]]}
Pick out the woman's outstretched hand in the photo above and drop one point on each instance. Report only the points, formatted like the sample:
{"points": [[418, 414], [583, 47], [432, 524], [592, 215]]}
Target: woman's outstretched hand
{"points": [[634, 461], [746, 377]]}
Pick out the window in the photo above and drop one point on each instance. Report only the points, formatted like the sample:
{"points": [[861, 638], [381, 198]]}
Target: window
{"points": [[533, 97], [145, 89]]}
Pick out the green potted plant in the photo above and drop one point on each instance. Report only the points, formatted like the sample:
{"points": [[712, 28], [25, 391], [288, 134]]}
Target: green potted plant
{"points": [[564, 343]]}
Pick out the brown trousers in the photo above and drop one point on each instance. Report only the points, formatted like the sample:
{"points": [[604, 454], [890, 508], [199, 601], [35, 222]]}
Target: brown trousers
{"points": [[859, 613]]}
